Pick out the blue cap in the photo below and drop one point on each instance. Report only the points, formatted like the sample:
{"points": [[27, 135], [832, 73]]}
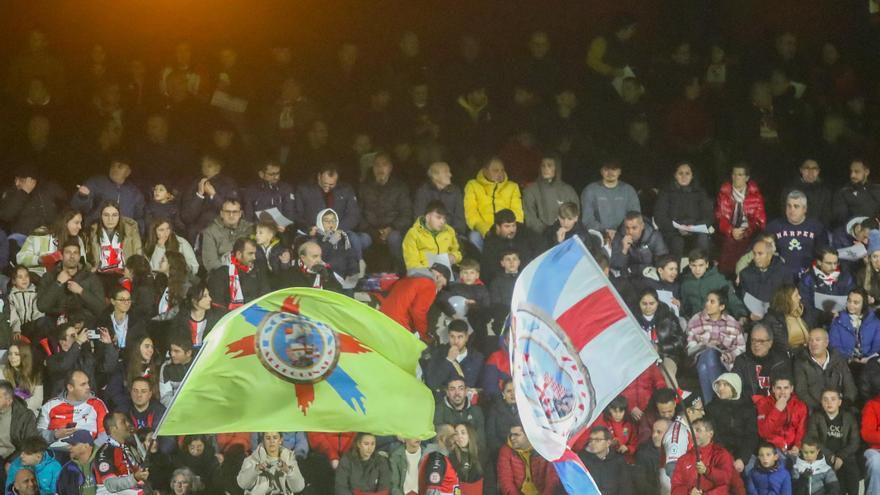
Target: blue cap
{"points": [[873, 241], [78, 437]]}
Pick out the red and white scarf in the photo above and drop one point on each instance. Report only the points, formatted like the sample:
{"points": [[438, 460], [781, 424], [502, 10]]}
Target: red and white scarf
{"points": [[112, 257], [827, 279], [236, 296]]}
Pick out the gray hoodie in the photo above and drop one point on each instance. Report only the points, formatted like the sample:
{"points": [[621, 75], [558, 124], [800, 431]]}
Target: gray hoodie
{"points": [[603, 208], [542, 199]]}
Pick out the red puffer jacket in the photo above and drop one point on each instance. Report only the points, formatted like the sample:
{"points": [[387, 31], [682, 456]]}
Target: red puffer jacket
{"points": [[784, 429], [718, 477], [333, 445], [871, 423], [753, 206], [512, 472], [409, 302], [638, 393]]}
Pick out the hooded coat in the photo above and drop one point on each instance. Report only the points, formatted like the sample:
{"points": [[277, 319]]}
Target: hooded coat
{"points": [[735, 419], [336, 247]]}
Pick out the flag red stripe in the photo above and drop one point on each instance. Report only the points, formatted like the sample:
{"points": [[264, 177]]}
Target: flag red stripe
{"points": [[242, 347], [590, 317]]}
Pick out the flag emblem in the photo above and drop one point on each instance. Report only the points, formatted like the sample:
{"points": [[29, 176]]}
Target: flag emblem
{"points": [[297, 348]]}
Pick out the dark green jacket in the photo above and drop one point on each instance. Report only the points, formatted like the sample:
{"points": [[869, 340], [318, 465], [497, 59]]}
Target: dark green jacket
{"points": [[694, 291]]}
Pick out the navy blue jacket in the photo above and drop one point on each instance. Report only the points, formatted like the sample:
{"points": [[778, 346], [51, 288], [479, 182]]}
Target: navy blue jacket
{"points": [[309, 201], [101, 188], [762, 285], [261, 196], [810, 285]]}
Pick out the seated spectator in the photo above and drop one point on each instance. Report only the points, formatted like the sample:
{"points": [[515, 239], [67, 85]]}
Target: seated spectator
{"points": [[140, 361], [56, 420], [429, 237], [404, 461], [437, 475], [268, 192], [145, 411], [241, 281], [198, 315], [501, 416], [36, 458], [362, 470], [335, 244], [25, 483], [119, 467], [868, 275], [21, 424], [74, 350], [411, 298], [310, 270], [501, 287], [485, 196], [172, 281], [616, 419], [271, 468], [663, 405], [818, 368], [567, 225], [797, 236], [825, 278], [517, 456], [685, 203], [678, 440], [507, 235], [173, 370], [739, 211], [859, 198], [42, 248], [455, 359], [702, 279], [852, 235], [217, 239], [667, 281], [762, 360], [663, 328], [467, 460], [838, 432], [542, 199], [77, 475], [164, 206], [439, 187], [647, 466], [24, 374], [386, 209], [182, 481], [496, 370], [782, 417], [715, 339], [855, 332], [770, 475], [636, 246], [785, 319], [713, 472], [736, 423], [476, 295], [817, 191], [763, 276], [110, 241], [812, 473], [33, 202], [456, 407], [115, 186], [138, 279], [162, 239], [605, 463], [327, 192], [605, 203], [269, 249], [638, 393], [206, 196], [124, 326]]}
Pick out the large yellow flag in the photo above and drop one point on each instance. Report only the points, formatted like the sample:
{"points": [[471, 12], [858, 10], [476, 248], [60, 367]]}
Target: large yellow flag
{"points": [[304, 360]]}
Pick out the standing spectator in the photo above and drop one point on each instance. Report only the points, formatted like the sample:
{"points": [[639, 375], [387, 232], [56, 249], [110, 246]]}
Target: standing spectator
{"points": [[241, 281], [507, 235], [387, 211], [824, 278], [115, 186], [439, 187], [271, 468], [838, 432], [859, 198], [207, 196], [715, 339], [685, 203], [714, 471], [217, 239], [819, 368], [605, 203], [770, 476], [542, 199], [636, 246], [855, 332], [735, 419], [486, 195], [607, 467], [700, 281], [269, 192], [739, 211], [818, 193], [411, 298], [782, 417], [41, 250], [430, 236], [797, 237], [521, 470], [762, 360], [327, 192], [77, 403], [31, 203]]}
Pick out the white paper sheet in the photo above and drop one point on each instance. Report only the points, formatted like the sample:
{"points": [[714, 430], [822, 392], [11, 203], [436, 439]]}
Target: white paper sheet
{"points": [[277, 216], [618, 81], [825, 302], [755, 305], [852, 253], [696, 229], [666, 297]]}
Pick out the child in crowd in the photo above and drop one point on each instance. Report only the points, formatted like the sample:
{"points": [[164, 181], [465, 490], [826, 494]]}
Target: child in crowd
{"points": [[476, 295], [35, 457], [163, 206], [811, 474], [335, 245], [620, 425], [22, 301], [268, 249], [667, 283], [770, 477]]}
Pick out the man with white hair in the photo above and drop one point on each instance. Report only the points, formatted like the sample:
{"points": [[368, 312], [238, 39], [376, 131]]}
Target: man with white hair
{"points": [[797, 236]]}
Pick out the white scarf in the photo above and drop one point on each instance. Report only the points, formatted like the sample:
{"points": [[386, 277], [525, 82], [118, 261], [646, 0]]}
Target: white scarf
{"points": [[739, 215], [236, 297], [112, 257], [164, 303]]}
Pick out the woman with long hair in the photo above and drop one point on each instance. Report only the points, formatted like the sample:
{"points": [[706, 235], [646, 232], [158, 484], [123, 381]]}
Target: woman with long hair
{"points": [[855, 331], [24, 373], [785, 319], [362, 470], [868, 276], [162, 239], [198, 315], [465, 457], [42, 248], [139, 360], [173, 282], [112, 239]]}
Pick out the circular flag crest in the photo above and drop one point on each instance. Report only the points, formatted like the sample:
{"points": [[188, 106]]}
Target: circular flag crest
{"points": [[297, 348], [552, 377]]}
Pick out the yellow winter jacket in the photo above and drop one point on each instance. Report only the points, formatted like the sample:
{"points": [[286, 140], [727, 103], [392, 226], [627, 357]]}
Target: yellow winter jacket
{"points": [[483, 198], [420, 242]]}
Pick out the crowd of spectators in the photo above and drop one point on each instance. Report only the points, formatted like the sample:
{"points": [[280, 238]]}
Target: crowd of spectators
{"points": [[727, 196]]}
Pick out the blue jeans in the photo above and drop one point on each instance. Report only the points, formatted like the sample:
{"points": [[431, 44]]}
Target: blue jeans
{"points": [[709, 368], [476, 239], [359, 243], [872, 472]]}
